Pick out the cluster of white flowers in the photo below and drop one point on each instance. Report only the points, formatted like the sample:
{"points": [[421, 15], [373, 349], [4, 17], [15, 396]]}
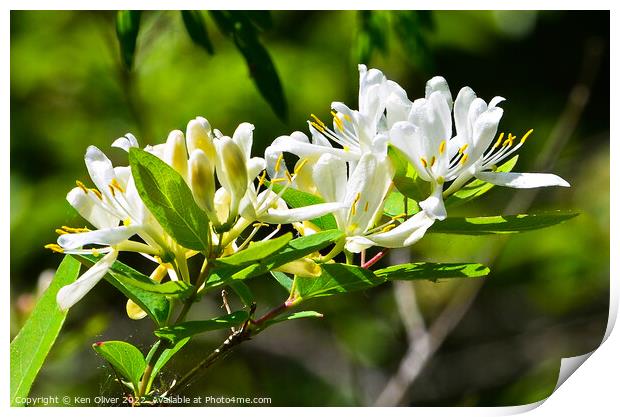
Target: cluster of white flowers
{"points": [[353, 178]]}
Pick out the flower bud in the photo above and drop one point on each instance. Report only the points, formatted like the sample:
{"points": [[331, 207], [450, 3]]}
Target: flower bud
{"points": [[199, 136], [202, 182], [231, 172], [175, 152], [303, 267]]}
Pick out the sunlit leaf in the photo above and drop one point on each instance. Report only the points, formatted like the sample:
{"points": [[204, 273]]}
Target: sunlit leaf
{"points": [[191, 328], [336, 279], [127, 28], [124, 357], [255, 251], [432, 271], [498, 224], [293, 316], [36, 338], [170, 200]]}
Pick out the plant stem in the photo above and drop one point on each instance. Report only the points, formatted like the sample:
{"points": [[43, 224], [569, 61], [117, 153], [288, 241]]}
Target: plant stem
{"points": [[275, 312], [149, 369], [375, 258], [204, 273]]}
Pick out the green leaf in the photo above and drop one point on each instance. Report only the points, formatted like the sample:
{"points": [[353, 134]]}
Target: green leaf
{"points": [[190, 328], [170, 200], [163, 359], [295, 198], [255, 251], [132, 284], [293, 250], [261, 19], [125, 358], [410, 27], [372, 35], [397, 204], [127, 28], [336, 279], [476, 188], [432, 271], [498, 224], [294, 316], [243, 291], [196, 27], [35, 339], [260, 65], [284, 280], [406, 178]]}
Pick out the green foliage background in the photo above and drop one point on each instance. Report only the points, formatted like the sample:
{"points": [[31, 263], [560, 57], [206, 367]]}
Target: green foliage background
{"points": [[547, 295]]}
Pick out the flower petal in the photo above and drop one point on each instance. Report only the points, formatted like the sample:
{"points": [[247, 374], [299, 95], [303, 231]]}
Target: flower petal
{"points": [[243, 137], [282, 216], [106, 237], [433, 205], [91, 209], [439, 84], [522, 180], [100, 169], [330, 177], [70, 294], [126, 142]]}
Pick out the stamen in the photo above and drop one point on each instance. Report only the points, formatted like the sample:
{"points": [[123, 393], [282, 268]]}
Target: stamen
{"points": [[464, 159], [388, 228], [277, 180], [318, 127], [399, 216], [279, 162], [61, 232], [261, 180], [499, 140], [75, 229], [433, 160], [424, 164], [366, 207], [463, 148], [114, 183], [442, 147], [338, 121], [54, 248], [300, 166], [318, 121], [346, 148], [358, 196], [527, 134], [97, 193], [127, 222], [82, 186], [288, 176]]}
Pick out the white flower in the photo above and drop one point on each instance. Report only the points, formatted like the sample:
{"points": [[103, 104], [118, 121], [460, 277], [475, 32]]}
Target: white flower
{"points": [[355, 131]]}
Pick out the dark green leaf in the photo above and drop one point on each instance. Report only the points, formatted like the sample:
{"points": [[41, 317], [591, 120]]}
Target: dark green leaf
{"points": [[255, 251], [196, 27], [260, 65], [498, 224], [125, 358], [127, 28], [170, 200], [261, 19], [126, 280], [243, 291], [477, 187], [410, 27], [190, 328], [163, 359], [35, 339], [432, 271], [372, 34], [295, 198], [336, 279], [294, 316]]}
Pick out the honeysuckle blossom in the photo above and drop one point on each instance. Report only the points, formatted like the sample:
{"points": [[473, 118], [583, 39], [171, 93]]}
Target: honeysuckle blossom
{"points": [[355, 131], [115, 209], [426, 138]]}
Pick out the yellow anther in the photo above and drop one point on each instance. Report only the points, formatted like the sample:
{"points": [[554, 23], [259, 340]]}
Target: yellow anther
{"points": [[509, 140], [442, 147], [338, 121], [347, 117], [300, 166], [318, 127], [318, 121], [527, 134], [433, 160], [346, 148], [127, 221], [366, 206], [75, 229], [499, 140], [114, 183], [258, 224], [95, 252], [424, 164], [261, 180], [97, 193], [81, 185], [112, 190], [463, 148], [464, 158], [55, 248], [277, 180], [399, 216], [358, 196], [388, 228], [61, 232], [279, 162]]}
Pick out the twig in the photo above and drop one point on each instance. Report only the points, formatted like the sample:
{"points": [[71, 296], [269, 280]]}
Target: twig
{"points": [[375, 258], [418, 355]]}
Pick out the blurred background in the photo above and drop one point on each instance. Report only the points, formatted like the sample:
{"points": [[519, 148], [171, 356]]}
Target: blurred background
{"points": [[547, 295]]}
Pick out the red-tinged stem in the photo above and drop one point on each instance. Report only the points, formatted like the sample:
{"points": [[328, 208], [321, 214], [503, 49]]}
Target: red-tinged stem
{"points": [[274, 312], [375, 258]]}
